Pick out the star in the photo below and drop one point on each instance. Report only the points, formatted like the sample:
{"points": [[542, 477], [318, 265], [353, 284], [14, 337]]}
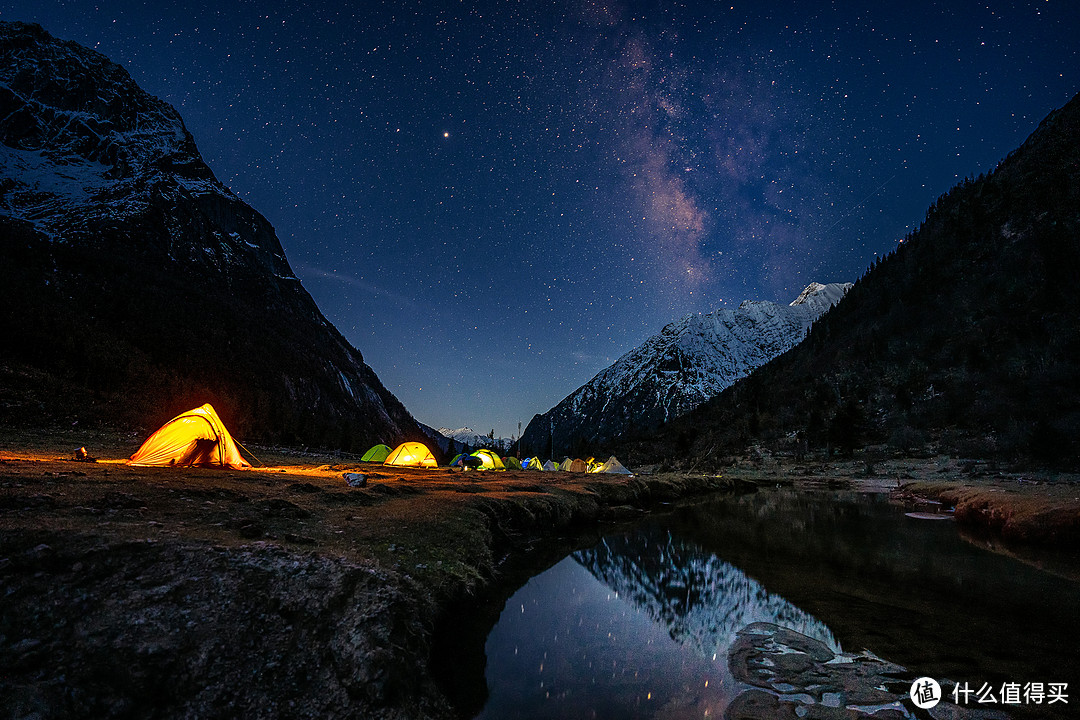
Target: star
{"points": [[667, 138]]}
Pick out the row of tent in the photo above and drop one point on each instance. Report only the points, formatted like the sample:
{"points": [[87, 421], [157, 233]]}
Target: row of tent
{"points": [[414, 454], [199, 438]]}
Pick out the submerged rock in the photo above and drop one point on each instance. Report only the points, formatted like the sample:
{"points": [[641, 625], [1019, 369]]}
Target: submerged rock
{"points": [[801, 677]]}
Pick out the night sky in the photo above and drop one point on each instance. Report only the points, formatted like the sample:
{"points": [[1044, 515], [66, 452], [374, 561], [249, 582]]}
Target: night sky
{"points": [[494, 200]]}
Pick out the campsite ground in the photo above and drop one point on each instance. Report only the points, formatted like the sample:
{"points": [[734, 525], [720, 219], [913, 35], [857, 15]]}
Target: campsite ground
{"points": [[282, 591]]}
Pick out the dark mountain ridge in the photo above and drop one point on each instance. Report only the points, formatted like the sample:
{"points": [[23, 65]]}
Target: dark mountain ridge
{"points": [[964, 340], [135, 285]]}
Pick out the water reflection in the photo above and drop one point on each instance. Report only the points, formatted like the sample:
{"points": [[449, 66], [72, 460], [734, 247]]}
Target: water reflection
{"points": [[700, 599], [638, 626], [912, 591], [641, 625], [568, 646]]}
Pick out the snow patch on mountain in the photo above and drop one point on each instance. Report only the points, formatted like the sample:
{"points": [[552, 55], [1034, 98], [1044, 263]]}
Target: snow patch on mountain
{"points": [[82, 149]]}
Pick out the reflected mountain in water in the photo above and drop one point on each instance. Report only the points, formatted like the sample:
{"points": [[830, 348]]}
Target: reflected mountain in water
{"points": [[665, 621], [703, 601], [786, 663]]}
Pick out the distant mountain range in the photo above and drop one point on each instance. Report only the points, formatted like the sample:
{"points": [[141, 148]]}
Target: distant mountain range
{"points": [[964, 340], [134, 285], [465, 437], [687, 363]]}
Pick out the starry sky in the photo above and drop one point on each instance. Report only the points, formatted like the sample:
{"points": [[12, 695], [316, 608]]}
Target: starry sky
{"points": [[494, 200]]}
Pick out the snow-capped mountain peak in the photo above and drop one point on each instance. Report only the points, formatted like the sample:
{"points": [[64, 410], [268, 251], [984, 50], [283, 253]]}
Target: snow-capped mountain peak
{"points": [[690, 361], [821, 297]]}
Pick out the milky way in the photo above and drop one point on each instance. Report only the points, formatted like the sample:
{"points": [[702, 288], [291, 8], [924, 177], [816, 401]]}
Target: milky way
{"points": [[494, 200]]}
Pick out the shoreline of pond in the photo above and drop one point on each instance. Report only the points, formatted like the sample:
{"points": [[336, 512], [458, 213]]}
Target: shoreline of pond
{"points": [[1030, 510]]}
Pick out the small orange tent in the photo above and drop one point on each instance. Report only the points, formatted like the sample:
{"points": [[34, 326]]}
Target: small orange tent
{"points": [[411, 454], [195, 438]]}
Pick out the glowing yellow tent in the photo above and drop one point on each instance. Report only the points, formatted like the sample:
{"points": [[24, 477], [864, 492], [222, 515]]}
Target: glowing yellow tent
{"points": [[411, 454], [195, 438]]}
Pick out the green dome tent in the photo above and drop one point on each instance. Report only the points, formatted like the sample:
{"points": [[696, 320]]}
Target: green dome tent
{"points": [[378, 454]]}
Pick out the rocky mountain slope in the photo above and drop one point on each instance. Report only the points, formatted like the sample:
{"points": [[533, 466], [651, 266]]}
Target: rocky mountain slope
{"points": [[135, 285], [690, 361], [963, 340]]}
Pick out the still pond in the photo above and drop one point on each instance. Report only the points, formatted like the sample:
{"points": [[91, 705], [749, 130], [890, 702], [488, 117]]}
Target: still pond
{"points": [[787, 604]]}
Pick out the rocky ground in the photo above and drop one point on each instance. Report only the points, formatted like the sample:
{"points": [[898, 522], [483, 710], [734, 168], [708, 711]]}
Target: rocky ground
{"points": [[275, 592], [284, 592]]}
